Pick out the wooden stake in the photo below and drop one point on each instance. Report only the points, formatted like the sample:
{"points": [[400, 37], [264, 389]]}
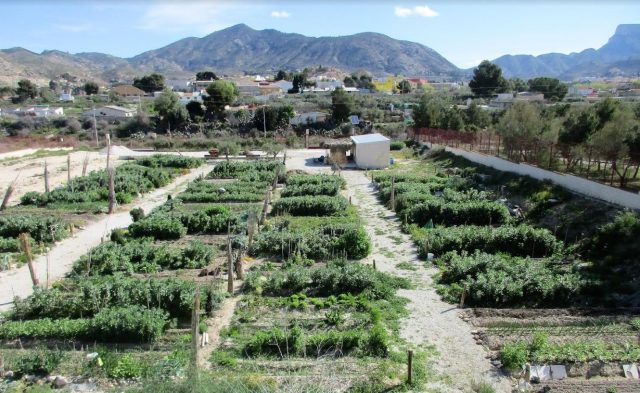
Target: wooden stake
{"points": [[374, 264], [8, 193], [229, 261], [392, 200], [46, 177], [85, 164], [69, 182], [112, 191], [195, 328], [410, 367], [26, 248], [108, 150]]}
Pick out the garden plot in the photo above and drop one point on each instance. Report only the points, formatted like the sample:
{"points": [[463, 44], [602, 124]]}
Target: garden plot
{"points": [[311, 310], [51, 216], [133, 295], [481, 229]]}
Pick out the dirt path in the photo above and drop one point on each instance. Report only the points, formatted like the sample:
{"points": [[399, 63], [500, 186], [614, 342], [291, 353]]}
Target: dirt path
{"points": [[431, 321], [219, 321], [17, 282]]}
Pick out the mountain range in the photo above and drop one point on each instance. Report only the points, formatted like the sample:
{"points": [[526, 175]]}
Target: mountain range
{"points": [[240, 49], [619, 56]]}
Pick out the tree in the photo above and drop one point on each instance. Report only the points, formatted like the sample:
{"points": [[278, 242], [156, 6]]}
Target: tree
{"points": [[576, 129], [228, 148], [274, 117], [196, 110], [283, 75], [551, 88], [150, 83], [171, 111], [487, 80], [517, 85], [404, 87], [476, 118], [26, 90], [520, 127], [221, 93], [53, 85], [341, 105], [206, 76], [431, 112], [611, 143], [91, 88], [349, 81]]}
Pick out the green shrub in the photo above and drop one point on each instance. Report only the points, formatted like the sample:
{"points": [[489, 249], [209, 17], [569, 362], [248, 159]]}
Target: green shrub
{"points": [[318, 205], [522, 240], [137, 214], [141, 256], [40, 228], [129, 324], [514, 355], [85, 297], [377, 342], [170, 161], [324, 242], [504, 281], [130, 180], [39, 361], [615, 243], [396, 145], [9, 245], [461, 213], [158, 227]]}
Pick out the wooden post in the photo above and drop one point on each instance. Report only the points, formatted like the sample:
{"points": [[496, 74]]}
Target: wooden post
{"points": [[69, 182], [112, 192], [410, 367], [392, 200], [284, 159], [251, 228], [374, 264], [239, 267], [85, 164], [265, 206], [229, 261], [48, 270], [462, 296], [108, 150], [195, 328], [8, 193], [26, 248], [46, 177]]}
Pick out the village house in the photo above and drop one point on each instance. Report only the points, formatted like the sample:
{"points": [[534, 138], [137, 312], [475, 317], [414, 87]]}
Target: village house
{"points": [[110, 112], [39, 111], [127, 91]]}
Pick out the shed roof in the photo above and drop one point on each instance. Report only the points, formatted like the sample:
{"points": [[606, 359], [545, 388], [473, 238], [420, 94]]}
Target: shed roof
{"points": [[369, 138]]}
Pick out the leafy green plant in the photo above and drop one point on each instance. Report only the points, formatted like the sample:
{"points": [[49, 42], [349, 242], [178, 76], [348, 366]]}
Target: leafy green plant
{"points": [[39, 361], [317, 205]]}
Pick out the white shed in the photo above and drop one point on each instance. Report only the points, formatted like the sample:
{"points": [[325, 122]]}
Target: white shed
{"points": [[371, 151]]}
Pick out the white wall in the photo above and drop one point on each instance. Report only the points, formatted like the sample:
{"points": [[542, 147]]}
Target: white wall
{"points": [[573, 183], [373, 155]]}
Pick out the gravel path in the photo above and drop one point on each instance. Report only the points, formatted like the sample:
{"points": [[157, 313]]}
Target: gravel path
{"points": [[17, 282], [431, 321]]}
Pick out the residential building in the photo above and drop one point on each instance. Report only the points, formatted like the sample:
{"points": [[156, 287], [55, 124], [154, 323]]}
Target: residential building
{"points": [[179, 84], [111, 112], [39, 111], [127, 91], [66, 97], [308, 118]]}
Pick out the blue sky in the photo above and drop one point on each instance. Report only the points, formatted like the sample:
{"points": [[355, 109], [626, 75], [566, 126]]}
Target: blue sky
{"points": [[465, 32]]}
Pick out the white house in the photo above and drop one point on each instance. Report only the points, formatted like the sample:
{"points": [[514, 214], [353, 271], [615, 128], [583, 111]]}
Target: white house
{"points": [[186, 98], [66, 97], [371, 151], [40, 111], [307, 118], [179, 84], [110, 112]]}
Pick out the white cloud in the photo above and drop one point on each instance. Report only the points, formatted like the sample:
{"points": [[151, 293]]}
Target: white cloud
{"points": [[280, 14], [403, 12], [181, 16], [419, 10]]}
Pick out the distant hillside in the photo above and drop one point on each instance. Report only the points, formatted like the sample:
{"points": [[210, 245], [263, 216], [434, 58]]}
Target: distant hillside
{"points": [[619, 56], [241, 48], [234, 50]]}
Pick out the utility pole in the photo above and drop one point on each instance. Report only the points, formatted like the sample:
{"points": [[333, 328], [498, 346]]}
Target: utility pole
{"points": [[95, 128], [264, 121]]}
